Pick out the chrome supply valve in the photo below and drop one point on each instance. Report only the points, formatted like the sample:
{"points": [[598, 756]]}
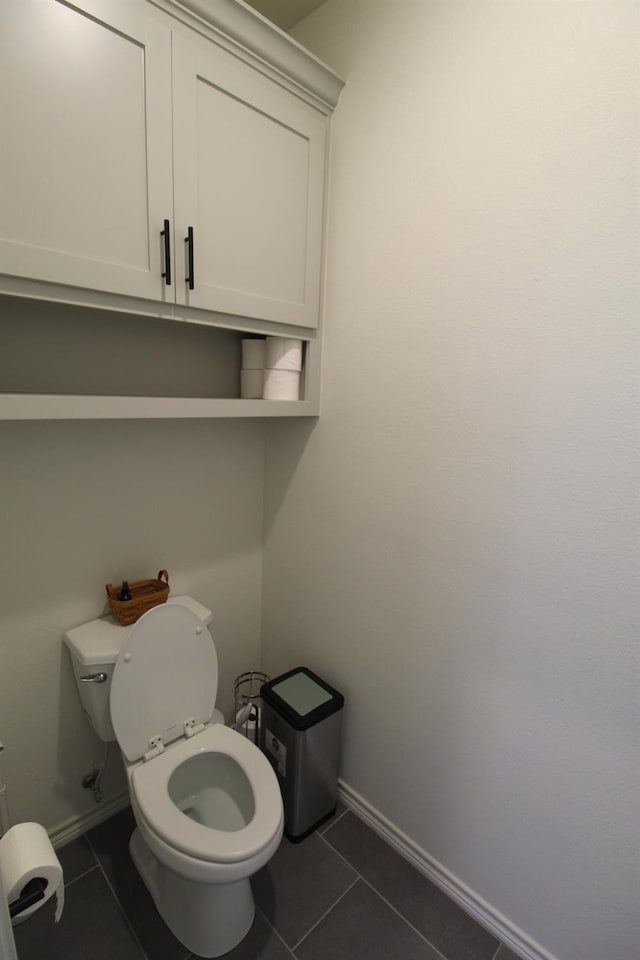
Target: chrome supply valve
{"points": [[91, 781]]}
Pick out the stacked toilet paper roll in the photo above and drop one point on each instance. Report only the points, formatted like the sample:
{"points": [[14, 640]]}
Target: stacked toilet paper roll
{"points": [[26, 854], [283, 364], [252, 372]]}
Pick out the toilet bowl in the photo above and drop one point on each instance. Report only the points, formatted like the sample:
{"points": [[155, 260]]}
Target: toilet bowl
{"points": [[207, 803]]}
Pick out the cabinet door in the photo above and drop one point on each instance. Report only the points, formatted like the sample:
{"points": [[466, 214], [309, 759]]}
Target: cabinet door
{"points": [[249, 162], [85, 152]]}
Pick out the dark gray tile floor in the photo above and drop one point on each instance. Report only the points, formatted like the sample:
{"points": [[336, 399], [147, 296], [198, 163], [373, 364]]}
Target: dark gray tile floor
{"points": [[341, 894]]}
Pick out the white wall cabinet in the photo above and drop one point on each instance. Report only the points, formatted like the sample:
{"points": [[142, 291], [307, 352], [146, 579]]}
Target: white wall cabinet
{"points": [[85, 153], [92, 124], [119, 118], [249, 162]]}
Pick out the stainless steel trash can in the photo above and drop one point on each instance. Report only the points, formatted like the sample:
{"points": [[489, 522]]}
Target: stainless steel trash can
{"points": [[302, 717]]}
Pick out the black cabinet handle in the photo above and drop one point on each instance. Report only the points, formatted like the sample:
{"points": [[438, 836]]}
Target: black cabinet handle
{"points": [[167, 253], [191, 280]]}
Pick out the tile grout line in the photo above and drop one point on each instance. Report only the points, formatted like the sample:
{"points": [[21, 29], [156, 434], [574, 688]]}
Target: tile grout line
{"points": [[274, 929], [326, 913], [332, 823], [431, 945], [119, 905], [390, 905], [290, 950], [80, 875], [494, 936], [269, 924]]}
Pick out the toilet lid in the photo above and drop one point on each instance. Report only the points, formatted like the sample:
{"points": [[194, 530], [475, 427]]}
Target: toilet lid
{"points": [[166, 672]]}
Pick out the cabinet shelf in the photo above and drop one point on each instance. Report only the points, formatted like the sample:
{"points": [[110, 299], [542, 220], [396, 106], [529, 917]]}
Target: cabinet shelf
{"points": [[34, 406], [59, 362]]}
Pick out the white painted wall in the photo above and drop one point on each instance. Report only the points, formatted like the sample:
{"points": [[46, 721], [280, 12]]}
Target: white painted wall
{"points": [[453, 545], [87, 503]]}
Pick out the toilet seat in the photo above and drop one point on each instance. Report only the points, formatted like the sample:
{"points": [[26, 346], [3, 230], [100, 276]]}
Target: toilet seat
{"points": [[163, 693], [150, 784], [166, 673]]}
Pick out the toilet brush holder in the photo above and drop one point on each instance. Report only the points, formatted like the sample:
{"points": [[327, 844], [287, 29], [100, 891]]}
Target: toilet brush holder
{"points": [[248, 703]]}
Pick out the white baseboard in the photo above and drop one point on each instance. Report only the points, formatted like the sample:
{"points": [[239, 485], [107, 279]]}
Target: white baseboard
{"points": [[74, 827], [490, 918]]}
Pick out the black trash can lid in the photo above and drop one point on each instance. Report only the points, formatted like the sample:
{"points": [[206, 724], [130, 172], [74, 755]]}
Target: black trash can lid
{"points": [[302, 698]]}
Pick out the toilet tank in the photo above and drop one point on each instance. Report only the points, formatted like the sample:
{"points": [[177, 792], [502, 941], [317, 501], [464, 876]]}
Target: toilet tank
{"points": [[94, 649]]}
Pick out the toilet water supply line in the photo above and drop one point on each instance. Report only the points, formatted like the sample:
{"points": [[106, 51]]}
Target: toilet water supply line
{"points": [[95, 787]]}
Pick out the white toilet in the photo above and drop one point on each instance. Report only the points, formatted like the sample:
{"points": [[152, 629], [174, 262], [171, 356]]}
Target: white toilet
{"points": [[206, 801]]}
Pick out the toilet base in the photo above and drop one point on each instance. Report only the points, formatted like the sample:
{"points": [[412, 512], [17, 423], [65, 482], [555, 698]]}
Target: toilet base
{"points": [[208, 918]]}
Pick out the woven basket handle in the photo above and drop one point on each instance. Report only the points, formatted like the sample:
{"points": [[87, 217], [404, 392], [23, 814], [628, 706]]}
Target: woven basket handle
{"points": [[163, 573]]}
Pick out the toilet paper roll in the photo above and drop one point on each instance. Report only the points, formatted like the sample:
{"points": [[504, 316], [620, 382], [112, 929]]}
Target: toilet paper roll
{"points": [[281, 385], [251, 384], [26, 853], [283, 353], [253, 354]]}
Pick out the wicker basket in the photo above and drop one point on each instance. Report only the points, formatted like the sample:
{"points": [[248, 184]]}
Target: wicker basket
{"points": [[145, 594]]}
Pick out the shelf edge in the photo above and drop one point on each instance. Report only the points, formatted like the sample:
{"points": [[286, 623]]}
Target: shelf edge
{"points": [[22, 406]]}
